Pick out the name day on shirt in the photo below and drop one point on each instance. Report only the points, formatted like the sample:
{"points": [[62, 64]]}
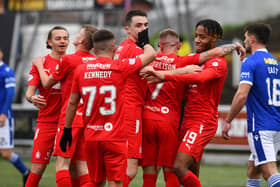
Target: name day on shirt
{"points": [[97, 74], [272, 70]]}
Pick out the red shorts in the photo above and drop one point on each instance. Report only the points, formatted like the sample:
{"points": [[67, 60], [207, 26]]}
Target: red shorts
{"points": [[197, 136], [43, 142], [160, 143], [106, 159], [133, 121], [77, 149]]}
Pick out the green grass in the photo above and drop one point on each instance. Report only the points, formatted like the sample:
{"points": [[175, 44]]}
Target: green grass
{"points": [[211, 176]]}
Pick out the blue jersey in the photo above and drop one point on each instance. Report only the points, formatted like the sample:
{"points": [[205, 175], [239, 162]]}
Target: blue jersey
{"points": [[261, 71], [7, 89]]}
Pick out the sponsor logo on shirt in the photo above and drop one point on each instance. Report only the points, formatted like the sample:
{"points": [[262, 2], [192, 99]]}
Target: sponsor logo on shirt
{"points": [[108, 126], [98, 66], [131, 61], [245, 75], [38, 155], [215, 64], [270, 61], [164, 110], [87, 59]]}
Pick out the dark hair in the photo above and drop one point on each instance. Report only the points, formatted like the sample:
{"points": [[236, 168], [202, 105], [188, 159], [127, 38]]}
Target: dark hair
{"points": [[212, 27], [102, 40], [89, 31], [50, 34], [132, 13], [261, 31]]}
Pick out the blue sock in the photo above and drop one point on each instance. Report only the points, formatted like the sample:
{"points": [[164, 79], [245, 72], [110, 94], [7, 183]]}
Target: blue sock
{"points": [[253, 183], [274, 180], [17, 162]]}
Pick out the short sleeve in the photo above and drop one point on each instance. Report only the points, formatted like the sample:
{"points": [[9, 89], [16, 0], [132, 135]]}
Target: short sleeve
{"points": [[34, 77], [247, 72]]}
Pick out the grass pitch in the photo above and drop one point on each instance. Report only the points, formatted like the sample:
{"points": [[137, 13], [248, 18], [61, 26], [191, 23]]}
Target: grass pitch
{"points": [[210, 176]]}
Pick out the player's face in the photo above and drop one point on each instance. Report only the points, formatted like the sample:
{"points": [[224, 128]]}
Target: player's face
{"points": [[80, 36], [59, 41], [138, 24], [247, 42], [203, 41]]}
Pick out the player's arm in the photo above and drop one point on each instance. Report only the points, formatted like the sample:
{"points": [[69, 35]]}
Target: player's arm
{"points": [[71, 109], [221, 51], [10, 92], [69, 117], [148, 56], [47, 81], [37, 100], [238, 103]]}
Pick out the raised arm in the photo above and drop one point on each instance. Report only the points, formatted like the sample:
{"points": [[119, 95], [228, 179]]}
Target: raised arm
{"points": [[222, 51], [46, 80]]}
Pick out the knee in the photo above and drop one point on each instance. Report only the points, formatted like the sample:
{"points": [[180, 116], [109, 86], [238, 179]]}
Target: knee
{"points": [[178, 169], [6, 154], [38, 169], [62, 163]]}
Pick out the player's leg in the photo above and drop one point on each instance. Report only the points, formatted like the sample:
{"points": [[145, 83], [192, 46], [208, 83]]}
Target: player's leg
{"points": [[43, 144], [150, 153], [264, 146], [94, 153], [115, 159], [63, 159], [79, 169], [253, 174], [134, 126], [6, 145], [168, 142]]}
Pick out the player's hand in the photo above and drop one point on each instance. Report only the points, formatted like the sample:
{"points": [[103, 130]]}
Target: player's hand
{"points": [[225, 129], [3, 119], [66, 139], [143, 38], [240, 50], [190, 69], [38, 61], [39, 101]]}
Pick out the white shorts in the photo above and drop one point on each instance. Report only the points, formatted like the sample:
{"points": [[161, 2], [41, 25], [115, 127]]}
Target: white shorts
{"points": [[264, 146], [7, 134]]}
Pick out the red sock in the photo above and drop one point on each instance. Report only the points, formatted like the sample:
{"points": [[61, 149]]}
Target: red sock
{"points": [[84, 179], [63, 178], [75, 182], [171, 180], [149, 180], [126, 181], [33, 180], [191, 180]]}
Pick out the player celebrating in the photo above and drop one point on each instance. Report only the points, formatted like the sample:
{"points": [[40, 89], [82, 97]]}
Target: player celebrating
{"points": [[135, 21], [202, 99], [49, 103], [64, 73], [259, 88], [161, 115], [100, 84]]}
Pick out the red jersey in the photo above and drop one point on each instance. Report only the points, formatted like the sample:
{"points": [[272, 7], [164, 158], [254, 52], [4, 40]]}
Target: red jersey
{"points": [[204, 92], [164, 99], [100, 84], [136, 87], [49, 113], [65, 73]]}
